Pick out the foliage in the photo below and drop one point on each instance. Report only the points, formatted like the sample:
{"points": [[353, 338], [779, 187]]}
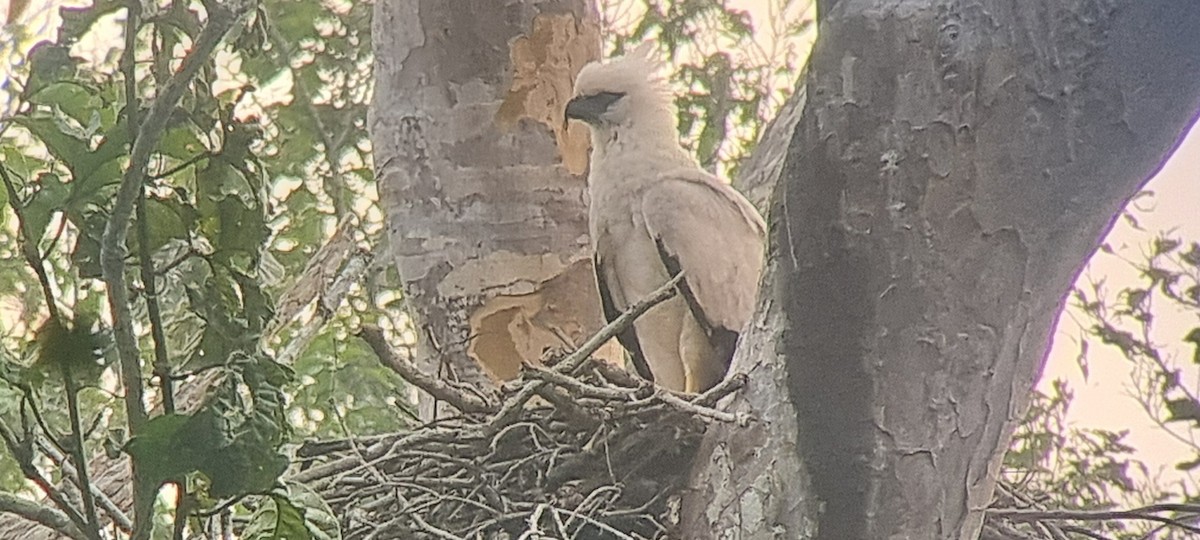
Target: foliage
{"points": [[732, 72], [1134, 321], [265, 149], [1060, 466]]}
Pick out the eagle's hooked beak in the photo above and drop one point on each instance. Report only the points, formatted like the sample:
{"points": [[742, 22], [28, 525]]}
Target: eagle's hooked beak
{"points": [[589, 108]]}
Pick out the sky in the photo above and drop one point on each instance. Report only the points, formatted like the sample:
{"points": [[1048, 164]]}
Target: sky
{"points": [[1103, 400]]}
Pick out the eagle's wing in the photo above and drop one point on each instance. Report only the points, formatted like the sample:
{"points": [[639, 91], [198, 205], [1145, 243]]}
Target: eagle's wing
{"points": [[715, 236], [628, 337]]}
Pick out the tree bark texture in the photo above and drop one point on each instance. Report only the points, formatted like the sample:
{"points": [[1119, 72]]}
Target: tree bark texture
{"points": [[955, 165], [482, 180]]}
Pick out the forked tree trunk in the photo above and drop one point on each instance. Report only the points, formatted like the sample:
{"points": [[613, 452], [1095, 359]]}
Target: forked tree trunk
{"points": [[482, 182], [956, 164]]}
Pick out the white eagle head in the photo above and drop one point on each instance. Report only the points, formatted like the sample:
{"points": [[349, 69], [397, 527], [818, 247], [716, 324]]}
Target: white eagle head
{"points": [[624, 94]]}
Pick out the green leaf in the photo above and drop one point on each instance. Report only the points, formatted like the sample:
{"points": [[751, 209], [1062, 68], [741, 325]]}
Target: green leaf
{"points": [[155, 449], [86, 255], [73, 98], [69, 149], [1182, 409], [1188, 465], [247, 467], [48, 64], [182, 143], [1193, 337], [75, 153], [1163, 245], [78, 20], [277, 519], [167, 220], [49, 196]]}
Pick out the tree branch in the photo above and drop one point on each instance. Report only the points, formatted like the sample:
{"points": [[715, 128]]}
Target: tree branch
{"points": [[436, 387], [162, 368], [42, 515], [78, 454], [28, 245], [114, 512], [22, 452], [576, 359], [1144, 513]]}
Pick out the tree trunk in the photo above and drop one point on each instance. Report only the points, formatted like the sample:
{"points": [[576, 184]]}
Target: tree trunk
{"points": [[481, 179], [956, 164]]}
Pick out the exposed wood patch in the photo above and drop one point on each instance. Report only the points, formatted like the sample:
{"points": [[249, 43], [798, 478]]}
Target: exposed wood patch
{"points": [[509, 329], [544, 65]]}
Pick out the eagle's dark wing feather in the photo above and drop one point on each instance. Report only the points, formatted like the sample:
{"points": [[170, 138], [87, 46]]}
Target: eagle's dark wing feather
{"points": [[627, 337], [723, 340]]}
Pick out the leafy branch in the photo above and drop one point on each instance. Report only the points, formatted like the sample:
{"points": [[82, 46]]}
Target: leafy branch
{"points": [[112, 254]]}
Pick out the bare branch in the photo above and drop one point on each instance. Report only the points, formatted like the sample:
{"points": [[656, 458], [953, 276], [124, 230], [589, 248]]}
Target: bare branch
{"points": [[1145, 513], [438, 388], [40, 514], [29, 247], [22, 451], [576, 359], [118, 516]]}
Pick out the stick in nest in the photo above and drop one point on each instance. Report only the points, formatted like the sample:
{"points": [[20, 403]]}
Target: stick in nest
{"points": [[576, 359]]}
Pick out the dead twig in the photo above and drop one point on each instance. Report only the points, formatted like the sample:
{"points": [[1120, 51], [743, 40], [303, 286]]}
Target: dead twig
{"points": [[436, 387]]}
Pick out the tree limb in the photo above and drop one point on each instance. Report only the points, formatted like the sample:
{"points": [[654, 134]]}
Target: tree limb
{"points": [[437, 387], [40, 514], [28, 245], [114, 512], [1144, 513]]}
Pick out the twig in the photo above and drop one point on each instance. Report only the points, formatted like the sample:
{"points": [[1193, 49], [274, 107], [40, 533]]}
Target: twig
{"points": [[330, 145], [183, 508], [22, 452], [187, 254], [191, 161], [576, 359], [28, 244], [1084, 532], [1145, 513], [620, 377], [445, 535], [671, 399], [55, 454], [161, 365], [600, 525], [436, 387], [729, 385], [329, 299], [78, 454], [574, 386], [29, 401]]}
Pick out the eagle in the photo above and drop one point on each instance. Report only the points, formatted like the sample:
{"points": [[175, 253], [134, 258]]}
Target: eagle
{"points": [[655, 212]]}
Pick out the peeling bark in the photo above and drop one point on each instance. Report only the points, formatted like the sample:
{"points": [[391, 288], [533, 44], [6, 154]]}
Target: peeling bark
{"points": [[481, 178], [956, 164]]}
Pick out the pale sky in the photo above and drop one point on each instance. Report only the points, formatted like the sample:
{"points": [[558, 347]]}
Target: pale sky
{"points": [[1104, 400]]}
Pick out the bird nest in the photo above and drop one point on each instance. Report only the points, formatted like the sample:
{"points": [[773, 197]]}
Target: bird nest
{"points": [[578, 450]]}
